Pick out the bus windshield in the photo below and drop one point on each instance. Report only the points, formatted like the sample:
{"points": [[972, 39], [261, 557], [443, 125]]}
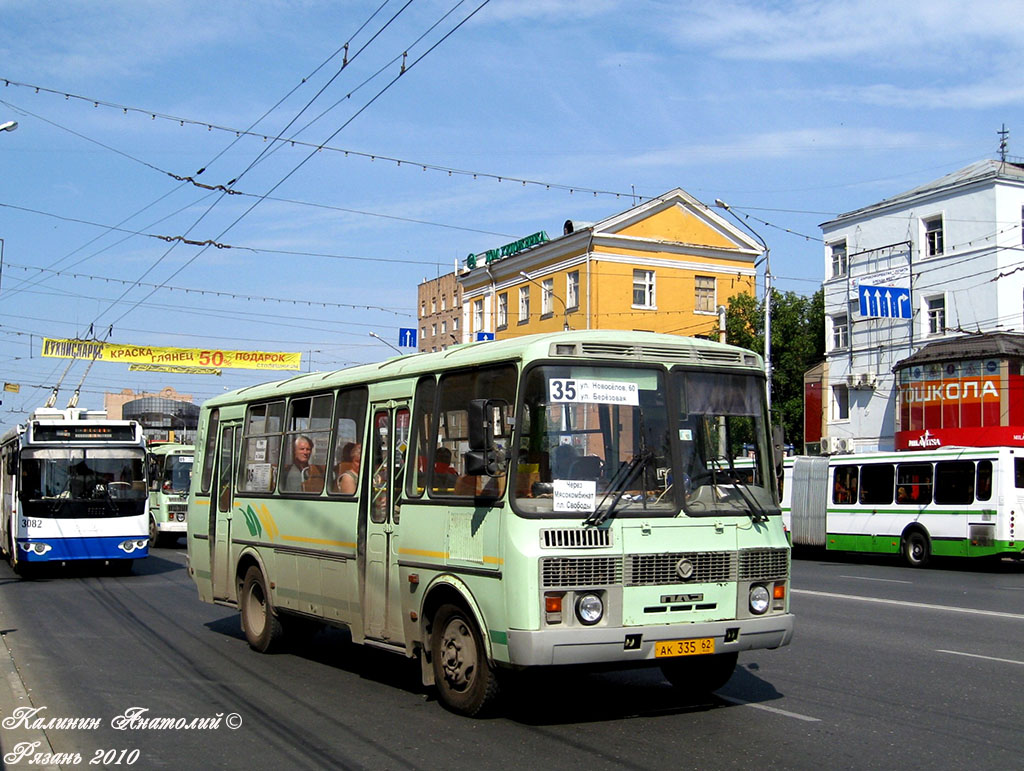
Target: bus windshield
{"points": [[69, 482], [594, 441], [177, 470], [725, 463]]}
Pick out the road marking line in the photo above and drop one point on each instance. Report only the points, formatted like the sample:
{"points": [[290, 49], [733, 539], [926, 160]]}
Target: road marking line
{"points": [[886, 580], [904, 603], [766, 708], [979, 656]]}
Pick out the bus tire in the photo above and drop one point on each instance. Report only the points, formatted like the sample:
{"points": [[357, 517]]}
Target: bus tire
{"points": [[466, 683], [261, 625], [916, 548], [155, 538], [700, 675]]}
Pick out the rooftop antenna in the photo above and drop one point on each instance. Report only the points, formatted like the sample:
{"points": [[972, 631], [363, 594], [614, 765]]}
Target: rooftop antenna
{"points": [[1004, 134]]}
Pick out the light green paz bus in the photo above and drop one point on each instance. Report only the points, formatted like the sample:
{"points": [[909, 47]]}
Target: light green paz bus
{"points": [[170, 468], [548, 500]]}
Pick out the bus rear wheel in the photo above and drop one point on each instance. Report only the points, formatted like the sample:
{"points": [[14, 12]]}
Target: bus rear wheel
{"points": [[263, 629], [700, 675], [466, 682], [916, 549]]}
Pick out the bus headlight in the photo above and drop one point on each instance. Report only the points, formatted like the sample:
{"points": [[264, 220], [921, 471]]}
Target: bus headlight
{"points": [[759, 599], [40, 548], [589, 608]]}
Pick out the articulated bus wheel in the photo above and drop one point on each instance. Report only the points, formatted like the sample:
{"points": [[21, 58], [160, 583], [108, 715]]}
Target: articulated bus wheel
{"points": [[465, 681], [261, 625], [916, 549]]}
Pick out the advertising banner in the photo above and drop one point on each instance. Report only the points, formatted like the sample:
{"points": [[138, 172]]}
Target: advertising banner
{"points": [[180, 357]]}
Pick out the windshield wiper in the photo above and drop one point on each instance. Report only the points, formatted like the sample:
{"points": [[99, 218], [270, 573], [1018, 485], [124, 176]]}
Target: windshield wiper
{"points": [[754, 510], [618, 485]]}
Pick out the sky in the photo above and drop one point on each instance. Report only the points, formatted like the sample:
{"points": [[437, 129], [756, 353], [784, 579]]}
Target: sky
{"points": [[416, 132]]}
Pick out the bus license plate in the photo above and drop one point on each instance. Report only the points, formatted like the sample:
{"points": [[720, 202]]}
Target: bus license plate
{"points": [[695, 647]]}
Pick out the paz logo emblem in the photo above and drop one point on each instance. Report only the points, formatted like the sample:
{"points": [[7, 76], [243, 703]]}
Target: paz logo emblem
{"points": [[685, 569]]}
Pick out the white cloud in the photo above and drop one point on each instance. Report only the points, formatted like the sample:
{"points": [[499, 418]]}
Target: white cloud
{"points": [[783, 144], [917, 33]]}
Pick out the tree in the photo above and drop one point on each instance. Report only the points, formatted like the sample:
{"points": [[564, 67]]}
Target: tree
{"points": [[798, 343]]}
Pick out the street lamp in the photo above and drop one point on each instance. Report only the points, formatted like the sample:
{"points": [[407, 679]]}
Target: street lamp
{"points": [[767, 300], [9, 125], [375, 335], [565, 310]]}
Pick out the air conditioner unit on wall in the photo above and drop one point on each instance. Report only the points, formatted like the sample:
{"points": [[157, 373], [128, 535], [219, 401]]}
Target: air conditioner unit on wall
{"points": [[851, 380], [825, 445], [868, 380], [842, 444]]}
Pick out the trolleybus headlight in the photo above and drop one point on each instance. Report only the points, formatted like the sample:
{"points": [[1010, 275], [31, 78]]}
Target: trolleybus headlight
{"points": [[589, 609], [759, 599], [41, 548]]}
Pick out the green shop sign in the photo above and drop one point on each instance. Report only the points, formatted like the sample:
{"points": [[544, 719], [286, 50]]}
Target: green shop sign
{"points": [[507, 250]]}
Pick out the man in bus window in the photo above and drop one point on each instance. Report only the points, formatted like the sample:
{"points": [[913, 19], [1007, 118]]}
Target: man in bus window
{"points": [[300, 475]]}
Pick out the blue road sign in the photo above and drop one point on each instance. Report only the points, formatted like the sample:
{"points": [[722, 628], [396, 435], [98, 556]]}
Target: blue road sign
{"points": [[885, 302], [481, 336], [406, 337]]}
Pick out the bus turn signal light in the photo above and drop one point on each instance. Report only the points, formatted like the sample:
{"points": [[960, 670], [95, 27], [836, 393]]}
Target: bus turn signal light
{"points": [[779, 592]]}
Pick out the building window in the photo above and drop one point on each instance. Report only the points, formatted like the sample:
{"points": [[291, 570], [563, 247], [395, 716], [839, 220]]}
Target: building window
{"points": [[933, 245], [935, 313], [503, 310], [839, 263], [840, 402], [840, 332], [423, 308], [433, 305], [572, 288], [444, 303], [547, 297], [643, 289], [444, 327], [524, 304], [455, 323], [704, 301], [433, 329], [478, 315], [423, 332]]}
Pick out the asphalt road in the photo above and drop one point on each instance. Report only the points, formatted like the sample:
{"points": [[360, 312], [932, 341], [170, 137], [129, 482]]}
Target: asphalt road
{"points": [[889, 668]]}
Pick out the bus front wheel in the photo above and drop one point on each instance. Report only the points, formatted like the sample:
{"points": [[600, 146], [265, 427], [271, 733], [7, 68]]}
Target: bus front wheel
{"points": [[700, 675], [466, 682], [916, 549], [261, 625]]}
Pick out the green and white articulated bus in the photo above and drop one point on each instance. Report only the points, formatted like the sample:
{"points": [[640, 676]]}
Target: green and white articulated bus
{"points": [[561, 499], [954, 501]]}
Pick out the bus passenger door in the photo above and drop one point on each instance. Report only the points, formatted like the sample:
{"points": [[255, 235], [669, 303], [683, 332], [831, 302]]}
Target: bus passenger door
{"points": [[381, 601], [221, 502]]}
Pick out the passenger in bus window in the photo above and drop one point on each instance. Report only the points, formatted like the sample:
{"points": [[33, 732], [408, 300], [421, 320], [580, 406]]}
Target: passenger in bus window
{"points": [[348, 468], [300, 475], [445, 474], [901, 495]]}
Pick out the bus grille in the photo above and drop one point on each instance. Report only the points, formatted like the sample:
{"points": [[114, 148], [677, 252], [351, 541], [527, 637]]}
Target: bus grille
{"points": [[575, 538], [764, 564], [657, 569], [571, 572]]}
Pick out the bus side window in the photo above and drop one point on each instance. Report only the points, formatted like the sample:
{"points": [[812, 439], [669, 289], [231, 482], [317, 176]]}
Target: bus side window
{"points": [[844, 488], [983, 488]]}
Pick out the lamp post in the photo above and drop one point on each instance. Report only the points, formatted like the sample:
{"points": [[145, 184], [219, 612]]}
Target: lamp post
{"points": [[9, 125], [378, 337], [767, 300], [565, 309]]}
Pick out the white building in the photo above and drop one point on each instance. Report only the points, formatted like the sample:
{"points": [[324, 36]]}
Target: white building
{"points": [[939, 261]]}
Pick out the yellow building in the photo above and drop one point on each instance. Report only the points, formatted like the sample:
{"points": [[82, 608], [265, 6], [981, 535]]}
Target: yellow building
{"points": [[662, 266]]}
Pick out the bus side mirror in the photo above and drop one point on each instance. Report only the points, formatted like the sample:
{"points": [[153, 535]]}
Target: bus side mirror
{"points": [[778, 448], [483, 458]]}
